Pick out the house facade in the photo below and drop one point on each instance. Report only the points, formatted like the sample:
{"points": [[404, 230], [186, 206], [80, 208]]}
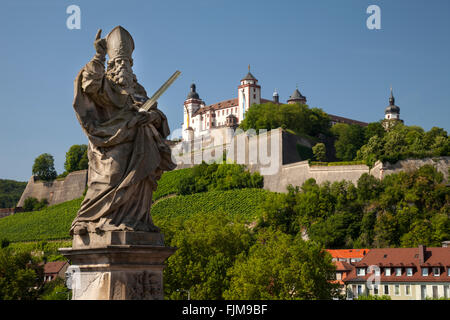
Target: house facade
{"points": [[402, 273]]}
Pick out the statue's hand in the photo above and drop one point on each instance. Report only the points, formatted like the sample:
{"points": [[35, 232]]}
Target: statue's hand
{"points": [[149, 117], [100, 44]]}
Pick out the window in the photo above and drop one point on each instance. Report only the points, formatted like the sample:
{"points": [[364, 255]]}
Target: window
{"points": [[386, 289], [398, 272], [397, 289], [407, 290], [436, 272], [375, 289], [424, 272], [448, 271], [377, 271], [361, 271], [409, 272], [447, 291], [387, 272]]}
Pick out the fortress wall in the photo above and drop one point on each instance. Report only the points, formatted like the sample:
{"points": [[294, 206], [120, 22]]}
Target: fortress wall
{"points": [[384, 169], [297, 173], [72, 187]]}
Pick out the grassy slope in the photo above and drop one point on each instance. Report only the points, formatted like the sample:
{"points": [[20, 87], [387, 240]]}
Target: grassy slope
{"points": [[54, 222], [239, 202], [51, 223]]}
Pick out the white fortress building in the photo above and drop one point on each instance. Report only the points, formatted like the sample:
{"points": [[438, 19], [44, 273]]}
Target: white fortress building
{"points": [[201, 119]]}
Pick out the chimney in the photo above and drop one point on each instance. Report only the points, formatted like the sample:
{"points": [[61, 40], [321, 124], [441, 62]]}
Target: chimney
{"points": [[422, 250]]}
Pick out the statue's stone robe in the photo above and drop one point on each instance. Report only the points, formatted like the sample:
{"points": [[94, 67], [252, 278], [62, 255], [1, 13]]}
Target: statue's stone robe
{"points": [[125, 159]]}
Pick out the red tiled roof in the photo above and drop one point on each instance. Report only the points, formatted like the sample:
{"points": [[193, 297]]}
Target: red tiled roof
{"points": [[343, 266], [348, 253], [217, 106], [406, 257], [347, 120], [54, 267]]}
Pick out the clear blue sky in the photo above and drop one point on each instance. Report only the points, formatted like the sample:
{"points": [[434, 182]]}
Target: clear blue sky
{"points": [[323, 46]]}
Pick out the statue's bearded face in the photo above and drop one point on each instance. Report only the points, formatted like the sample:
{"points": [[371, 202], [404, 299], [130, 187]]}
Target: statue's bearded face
{"points": [[121, 73]]}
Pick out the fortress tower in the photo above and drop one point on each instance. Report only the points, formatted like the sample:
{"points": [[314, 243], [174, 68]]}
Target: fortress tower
{"points": [[391, 114], [191, 105], [249, 92]]}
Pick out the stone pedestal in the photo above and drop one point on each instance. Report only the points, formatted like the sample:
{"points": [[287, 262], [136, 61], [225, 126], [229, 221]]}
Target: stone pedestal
{"points": [[118, 265]]}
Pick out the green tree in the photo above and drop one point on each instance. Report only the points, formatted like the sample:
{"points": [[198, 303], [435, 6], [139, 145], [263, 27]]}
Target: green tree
{"points": [[20, 276], [207, 246], [281, 266], [350, 138], [296, 117], [421, 233], [43, 167], [76, 158], [373, 129], [319, 152], [10, 192], [33, 204]]}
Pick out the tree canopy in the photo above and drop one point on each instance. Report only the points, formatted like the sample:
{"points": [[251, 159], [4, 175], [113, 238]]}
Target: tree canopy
{"points": [[280, 266], [296, 117], [208, 177], [44, 168], [403, 209], [76, 158], [10, 192], [402, 142]]}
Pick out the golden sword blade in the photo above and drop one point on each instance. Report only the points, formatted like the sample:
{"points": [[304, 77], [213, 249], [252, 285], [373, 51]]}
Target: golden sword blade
{"points": [[149, 103]]}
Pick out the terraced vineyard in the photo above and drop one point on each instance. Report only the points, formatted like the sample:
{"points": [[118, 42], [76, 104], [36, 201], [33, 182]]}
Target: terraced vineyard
{"points": [[51, 223], [242, 203], [54, 222]]}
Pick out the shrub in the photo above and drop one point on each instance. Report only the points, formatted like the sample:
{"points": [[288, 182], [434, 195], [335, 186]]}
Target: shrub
{"points": [[208, 177]]}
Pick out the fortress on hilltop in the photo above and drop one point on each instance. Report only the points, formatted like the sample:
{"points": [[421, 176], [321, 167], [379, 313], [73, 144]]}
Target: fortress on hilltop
{"points": [[215, 126], [200, 119]]}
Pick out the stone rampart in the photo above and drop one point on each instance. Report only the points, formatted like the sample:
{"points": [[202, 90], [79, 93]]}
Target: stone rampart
{"points": [[57, 191]]}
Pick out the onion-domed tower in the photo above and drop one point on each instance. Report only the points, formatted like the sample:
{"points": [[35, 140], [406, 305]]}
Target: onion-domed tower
{"points": [[391, 113], [191, 105]]}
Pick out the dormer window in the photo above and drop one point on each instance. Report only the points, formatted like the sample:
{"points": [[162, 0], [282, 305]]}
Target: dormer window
{"points": [[398, 272], [424, 272], [409, 272], [387, 272], [361, 271], [437, 272]]}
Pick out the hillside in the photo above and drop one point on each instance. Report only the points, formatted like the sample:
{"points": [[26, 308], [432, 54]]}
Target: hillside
{"points": [[51, 223], [54, 222], [169, 181], [10, 192], [242, 203]]}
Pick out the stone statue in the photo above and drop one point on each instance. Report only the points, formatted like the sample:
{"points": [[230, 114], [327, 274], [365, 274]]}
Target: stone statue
{"points": [[127, 150]]}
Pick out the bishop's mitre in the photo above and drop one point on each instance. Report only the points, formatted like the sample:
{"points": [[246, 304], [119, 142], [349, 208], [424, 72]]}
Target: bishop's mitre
{"points": [[119, 44]]}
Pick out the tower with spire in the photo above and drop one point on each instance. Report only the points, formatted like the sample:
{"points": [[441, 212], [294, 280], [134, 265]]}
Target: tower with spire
{"points": [[391, 113], [249, 93]]}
